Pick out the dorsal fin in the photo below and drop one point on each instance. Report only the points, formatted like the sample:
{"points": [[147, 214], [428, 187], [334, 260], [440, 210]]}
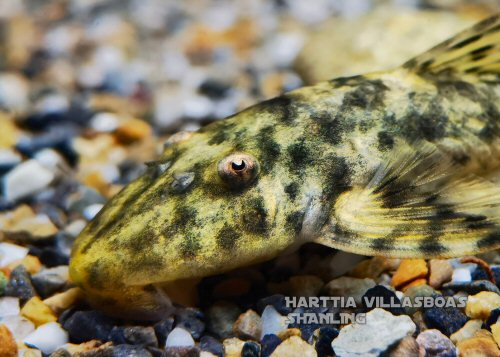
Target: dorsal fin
{"points": [[475, 51]]}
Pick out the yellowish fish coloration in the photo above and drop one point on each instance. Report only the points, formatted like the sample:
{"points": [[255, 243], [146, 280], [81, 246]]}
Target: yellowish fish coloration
{"points": [[401, 163]]}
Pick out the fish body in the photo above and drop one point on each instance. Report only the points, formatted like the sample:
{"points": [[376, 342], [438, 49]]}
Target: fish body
{"points": [[399, 163]]}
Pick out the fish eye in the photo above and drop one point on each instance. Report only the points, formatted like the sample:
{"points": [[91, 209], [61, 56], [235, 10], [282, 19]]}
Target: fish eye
{"points": [[238, 170]]}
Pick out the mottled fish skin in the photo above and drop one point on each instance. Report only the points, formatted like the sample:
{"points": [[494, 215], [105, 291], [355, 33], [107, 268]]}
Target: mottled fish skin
{"points": [[315, 146]]}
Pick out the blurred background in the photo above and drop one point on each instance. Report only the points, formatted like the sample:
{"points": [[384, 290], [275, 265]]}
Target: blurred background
{"points": [[90, 90], [101, 83]]}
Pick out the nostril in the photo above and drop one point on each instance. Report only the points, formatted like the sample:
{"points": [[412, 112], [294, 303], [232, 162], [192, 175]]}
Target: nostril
{"points": [[182, 181], [157, 168]]}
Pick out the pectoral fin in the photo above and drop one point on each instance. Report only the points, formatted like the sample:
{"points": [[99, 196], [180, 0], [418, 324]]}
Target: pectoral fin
{"points": [[417, 204]]}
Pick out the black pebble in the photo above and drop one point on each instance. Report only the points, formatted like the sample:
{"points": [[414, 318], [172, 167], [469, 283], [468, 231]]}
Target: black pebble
{"points": [[58, 139], [388, 297], [214, 89], [20, 285], [480, 274], [53, 257], [324, 342], [84, 326], [134, 335], [307, 329], [6, 205], [77, 115], [269, 344], [473, 287], [496, 274], [157, 352], [492, 319], [191, 320], [277, 301], [250, 349], [162, 329], [212, 345], [447, 320], [48, 284]]}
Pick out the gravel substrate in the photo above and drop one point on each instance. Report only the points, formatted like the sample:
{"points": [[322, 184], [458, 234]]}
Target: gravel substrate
{"points": [[90, 90]]}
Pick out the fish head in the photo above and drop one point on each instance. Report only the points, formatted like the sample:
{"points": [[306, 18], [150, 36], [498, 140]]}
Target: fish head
{"points": [[215, 200]]}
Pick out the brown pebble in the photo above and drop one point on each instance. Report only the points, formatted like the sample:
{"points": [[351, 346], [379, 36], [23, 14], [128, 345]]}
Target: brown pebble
{"points": [[248, 326], [482, 344], [409, 270], [289, 332], [374, 267], [36, 311], [407, 347], [233, 347], [294, 347], [182, 352], [440, 272], [133, 130], [8, 346]]}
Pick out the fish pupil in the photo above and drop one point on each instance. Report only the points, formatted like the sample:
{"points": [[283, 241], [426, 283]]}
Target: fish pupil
{"points": [[238, 166]]}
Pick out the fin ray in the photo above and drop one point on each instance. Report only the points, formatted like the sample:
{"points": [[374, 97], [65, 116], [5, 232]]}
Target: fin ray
{"points": [[417, 204]]}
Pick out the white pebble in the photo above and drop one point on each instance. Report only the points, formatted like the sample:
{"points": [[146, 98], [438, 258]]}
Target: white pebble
{"points": [[284, 47], [26, 179], [175, 65], [179, 337], [104, 122], [110, 173], [10, 253], [198, 107], [9, 157], [9, 306], [61, 271], [47, 337], [52, 103], [461, 275], [19, 326], [311, 12], [90, 211], [75, 227], [50, 159], [272, 321], [13, 92]]}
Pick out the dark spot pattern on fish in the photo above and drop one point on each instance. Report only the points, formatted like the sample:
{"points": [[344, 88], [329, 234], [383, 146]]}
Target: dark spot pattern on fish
{"points": [[228, 237], [347, 81], [369, 94], [255, 216], [337, 175], [294, 221], [385, 141], [190, 245], [292, 190], [491, 240], [300, 157], [466, 42], [280, 107], [269, 149]]}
